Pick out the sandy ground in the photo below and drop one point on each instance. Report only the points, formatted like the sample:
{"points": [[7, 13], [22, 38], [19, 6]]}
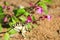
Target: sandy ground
{"points": [[47, 30]]}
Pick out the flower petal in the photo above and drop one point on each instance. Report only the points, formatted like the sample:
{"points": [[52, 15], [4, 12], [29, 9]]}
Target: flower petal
{"points": [[39, 10], [5, 19], [49, 17], [21, 6], [4, 7], [29, 19]]}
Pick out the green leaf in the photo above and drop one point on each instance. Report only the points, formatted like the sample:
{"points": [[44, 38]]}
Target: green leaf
{"points": [[46, 1], [13, 20], [0, 28], [1, 9], [22, 18], [1, 14], [26, 14], [28, 26], [34, 25], [43, 5], [6, 3], [33, 18], [6, 36], [15, 11], [12, 31], [16, 19], [20, 11], [1, 18], [11, 24]]}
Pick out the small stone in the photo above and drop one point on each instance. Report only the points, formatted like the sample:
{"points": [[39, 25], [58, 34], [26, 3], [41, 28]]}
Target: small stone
{"points": [[58, 31]]}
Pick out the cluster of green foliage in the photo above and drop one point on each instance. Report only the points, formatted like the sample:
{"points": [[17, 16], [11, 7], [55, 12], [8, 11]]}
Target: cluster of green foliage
{"points": [[13, 20]]}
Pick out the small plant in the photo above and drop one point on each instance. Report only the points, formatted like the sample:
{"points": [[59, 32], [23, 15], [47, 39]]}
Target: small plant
{"points": [[22, 20]]}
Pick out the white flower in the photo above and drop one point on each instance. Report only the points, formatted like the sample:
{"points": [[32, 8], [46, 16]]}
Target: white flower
{"points": [[21, 6], [23, 32], [18, 27]]}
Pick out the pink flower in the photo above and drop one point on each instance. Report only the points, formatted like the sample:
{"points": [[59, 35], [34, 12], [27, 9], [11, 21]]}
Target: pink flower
{"points": [[29, 19], [39, 10], [4, 7], [48, 17], [5, 19], [8, 7]]}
